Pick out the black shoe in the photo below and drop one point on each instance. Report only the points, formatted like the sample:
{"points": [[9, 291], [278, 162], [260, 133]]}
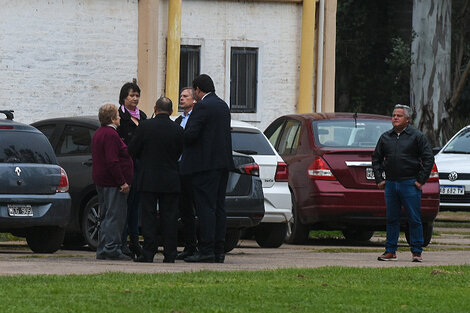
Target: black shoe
{"points": [[168, 260], [126, 251], [219, 258], [135, 246], [200, 258], [142, 259], [183, 255]]}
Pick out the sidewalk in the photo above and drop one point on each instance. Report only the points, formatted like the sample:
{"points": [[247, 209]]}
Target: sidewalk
{"points": [[18, 259]]}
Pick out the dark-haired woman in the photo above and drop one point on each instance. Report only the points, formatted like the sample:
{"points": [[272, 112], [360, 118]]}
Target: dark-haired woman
{"points": [[131, 117]]}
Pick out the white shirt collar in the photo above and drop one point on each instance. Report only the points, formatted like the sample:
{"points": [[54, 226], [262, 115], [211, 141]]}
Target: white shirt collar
{"points": [[206, 95]]}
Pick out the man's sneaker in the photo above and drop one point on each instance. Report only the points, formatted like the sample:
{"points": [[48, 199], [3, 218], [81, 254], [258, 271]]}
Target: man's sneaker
{"points": [[387, 256], [417, 257]]}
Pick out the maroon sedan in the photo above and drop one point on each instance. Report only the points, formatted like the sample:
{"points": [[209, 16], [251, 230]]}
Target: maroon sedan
{"points": [[331, 177]]}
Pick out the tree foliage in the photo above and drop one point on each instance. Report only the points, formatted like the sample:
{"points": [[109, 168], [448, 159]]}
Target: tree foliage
{"points": [[458, 106], [374, 58], [373, 55]]}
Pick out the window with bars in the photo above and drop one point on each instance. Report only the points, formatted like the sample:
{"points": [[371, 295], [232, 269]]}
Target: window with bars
{"points": [[243, 79], [189, 64]]}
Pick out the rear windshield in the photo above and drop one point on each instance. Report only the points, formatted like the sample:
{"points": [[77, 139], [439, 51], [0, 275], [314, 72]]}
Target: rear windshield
{"points": [[251, 143], [342, 133], [25, 147], [460, 144]]}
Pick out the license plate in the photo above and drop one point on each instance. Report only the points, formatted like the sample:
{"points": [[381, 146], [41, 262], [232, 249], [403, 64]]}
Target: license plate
{"points": [[370, 173], [20, 210], [452, 190]]}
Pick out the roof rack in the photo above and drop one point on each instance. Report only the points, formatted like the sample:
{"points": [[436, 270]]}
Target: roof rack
{"points": [[8, 113]]}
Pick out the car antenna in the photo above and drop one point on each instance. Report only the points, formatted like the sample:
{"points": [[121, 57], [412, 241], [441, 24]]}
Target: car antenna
{"points": [[355, 120]]}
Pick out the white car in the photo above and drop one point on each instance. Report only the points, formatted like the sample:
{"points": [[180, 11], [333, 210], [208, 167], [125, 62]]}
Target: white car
{"points": [[250, 140], [453, 164]]}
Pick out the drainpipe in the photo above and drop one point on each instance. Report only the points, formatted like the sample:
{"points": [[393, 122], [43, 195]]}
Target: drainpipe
{"points": [[321, 40], [307, 66], [173, 53]]}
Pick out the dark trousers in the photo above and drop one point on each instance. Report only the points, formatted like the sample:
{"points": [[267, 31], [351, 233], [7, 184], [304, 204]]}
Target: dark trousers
{"points": [[167, 206], [186, 210], [209, 197], [133, 206], [113, 210]]}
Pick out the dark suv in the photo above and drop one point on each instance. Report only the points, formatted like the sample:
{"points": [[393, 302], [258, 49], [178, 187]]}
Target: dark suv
{"points": [[71, 139], [34, 199]]}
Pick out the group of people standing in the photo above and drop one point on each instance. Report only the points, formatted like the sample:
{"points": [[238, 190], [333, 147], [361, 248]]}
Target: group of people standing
{"points": [[163, 168]]}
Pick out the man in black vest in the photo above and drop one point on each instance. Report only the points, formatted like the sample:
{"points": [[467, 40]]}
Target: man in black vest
{"points": [[207, 158], [158, 143]]}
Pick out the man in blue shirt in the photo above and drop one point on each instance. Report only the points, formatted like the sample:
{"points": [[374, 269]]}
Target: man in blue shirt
{"points": [[186, 207]]}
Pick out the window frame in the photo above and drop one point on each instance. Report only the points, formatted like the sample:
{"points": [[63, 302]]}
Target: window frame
{"points": [[190, 48], [255, 117], [242, 77]]}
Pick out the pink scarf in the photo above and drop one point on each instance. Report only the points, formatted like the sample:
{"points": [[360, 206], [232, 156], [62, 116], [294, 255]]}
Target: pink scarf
{"points": [[135, 114]]}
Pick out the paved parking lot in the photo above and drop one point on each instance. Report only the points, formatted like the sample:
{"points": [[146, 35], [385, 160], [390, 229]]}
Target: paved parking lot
{"points": [[450, 246]]}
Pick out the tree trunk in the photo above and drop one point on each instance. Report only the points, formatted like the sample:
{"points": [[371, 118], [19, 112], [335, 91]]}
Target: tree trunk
{"points": [[430, 83]]}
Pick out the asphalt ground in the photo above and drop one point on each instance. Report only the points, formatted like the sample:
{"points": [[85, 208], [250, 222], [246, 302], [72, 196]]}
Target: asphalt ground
{"points": [[450, 246]]}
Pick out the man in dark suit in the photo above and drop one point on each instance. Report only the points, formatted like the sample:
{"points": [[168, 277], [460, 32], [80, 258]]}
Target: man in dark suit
{"points": [[158, 143], [186, 206], [208, 157]]}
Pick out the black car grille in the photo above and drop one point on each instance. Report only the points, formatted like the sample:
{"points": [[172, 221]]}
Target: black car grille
{"points": [[461, 176], [455, 199]]}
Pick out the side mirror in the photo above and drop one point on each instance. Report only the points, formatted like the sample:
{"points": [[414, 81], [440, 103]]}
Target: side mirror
{"points": [[435, 150]]}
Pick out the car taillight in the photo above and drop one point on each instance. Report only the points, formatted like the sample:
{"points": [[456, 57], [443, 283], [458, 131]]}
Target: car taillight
{"points": [[282, 172], [250, 169], [6, 127], [64, 182], [319, 169], [434, 174]]}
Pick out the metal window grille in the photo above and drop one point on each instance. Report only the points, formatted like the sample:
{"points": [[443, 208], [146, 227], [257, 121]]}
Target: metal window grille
{"points": [[243, 79], [189, 65]]}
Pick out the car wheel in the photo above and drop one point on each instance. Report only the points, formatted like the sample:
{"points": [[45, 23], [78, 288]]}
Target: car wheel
{"points": [[45, 239], [270, 235], [231, 239], [427, 234], [91, 222], [357, 234], [297, 233]]}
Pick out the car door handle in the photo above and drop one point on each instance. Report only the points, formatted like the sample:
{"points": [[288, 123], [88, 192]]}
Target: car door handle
{"points": [[88, 163]]}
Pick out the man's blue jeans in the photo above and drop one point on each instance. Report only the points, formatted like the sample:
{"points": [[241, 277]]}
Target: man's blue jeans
{"points": [[397, 194]]}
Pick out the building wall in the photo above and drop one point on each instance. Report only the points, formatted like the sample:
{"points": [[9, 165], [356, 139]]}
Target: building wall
{"points": [[272, 27], [61, 58]]}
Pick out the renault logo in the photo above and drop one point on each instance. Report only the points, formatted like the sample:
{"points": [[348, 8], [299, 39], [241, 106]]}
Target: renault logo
{"points": [[453, 176], [18, 171]]}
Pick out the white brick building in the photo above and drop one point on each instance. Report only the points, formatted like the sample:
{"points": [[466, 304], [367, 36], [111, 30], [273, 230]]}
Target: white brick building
{"points": [[62, 58]]}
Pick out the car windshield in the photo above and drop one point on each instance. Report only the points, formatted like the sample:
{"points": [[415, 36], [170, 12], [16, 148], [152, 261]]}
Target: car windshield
{"points": [[25, 147], [251, 143], [460, 144], [349, 133]]}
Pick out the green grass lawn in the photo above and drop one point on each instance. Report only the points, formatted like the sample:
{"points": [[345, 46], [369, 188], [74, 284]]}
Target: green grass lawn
{"points": [[328, 289]]}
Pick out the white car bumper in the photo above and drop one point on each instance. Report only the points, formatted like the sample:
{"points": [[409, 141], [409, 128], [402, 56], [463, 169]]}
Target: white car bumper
{"points": [[277, 203]]}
